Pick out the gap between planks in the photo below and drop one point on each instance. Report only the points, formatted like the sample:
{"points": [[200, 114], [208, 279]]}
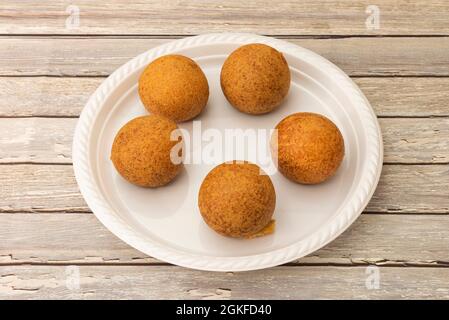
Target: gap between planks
{"points": [[361, 264], [39, 116], [180, 36], [88, 76]]}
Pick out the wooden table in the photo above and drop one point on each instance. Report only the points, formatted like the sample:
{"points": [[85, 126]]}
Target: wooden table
{"points": [[50, 64]]}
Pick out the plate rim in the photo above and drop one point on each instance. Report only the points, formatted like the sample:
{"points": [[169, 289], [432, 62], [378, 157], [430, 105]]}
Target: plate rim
{"points": [[325, 234]]}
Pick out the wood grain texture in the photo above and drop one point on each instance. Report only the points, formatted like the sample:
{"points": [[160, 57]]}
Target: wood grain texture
{"points": [[191, 17], [52, 188], [36, 140], [48, 69], [409, 97], [412, 189], [167, 282], [85, 56], [40, 188], [415, 140], [42, 96], [49, 140], [384, 240], [65, 97]]}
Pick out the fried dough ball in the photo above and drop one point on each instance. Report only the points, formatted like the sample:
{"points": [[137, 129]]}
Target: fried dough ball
{"points": [[175, 87], [141, 151], [310, 148], [237, 200], [255, 78]]}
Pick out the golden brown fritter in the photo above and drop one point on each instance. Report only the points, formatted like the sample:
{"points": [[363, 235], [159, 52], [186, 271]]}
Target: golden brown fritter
{"points": [[255, 78], [141, 151], [175, 87], [310, 148], [236, 200]]}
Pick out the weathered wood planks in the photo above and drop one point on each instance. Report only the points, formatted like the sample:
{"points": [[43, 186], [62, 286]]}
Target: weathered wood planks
{"points": [[49, 140], [52, 188], [164, 17], [65, 97], [391, 240], [169, 282], [87, 56]]}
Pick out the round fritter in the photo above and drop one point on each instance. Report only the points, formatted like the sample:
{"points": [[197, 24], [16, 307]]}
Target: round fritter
{"points": [[142, 151], [175, 87], [237, 199], [310, 147], [255, 78]]}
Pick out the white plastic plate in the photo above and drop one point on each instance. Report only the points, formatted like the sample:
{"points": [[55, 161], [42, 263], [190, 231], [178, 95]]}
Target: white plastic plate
{"points": [[165, 223]]}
